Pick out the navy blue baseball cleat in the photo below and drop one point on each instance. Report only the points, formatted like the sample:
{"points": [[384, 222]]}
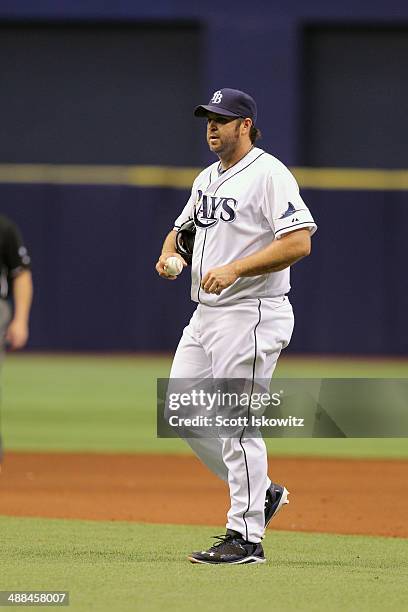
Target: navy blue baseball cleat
{"points": [[231, 549], [276, 497]]}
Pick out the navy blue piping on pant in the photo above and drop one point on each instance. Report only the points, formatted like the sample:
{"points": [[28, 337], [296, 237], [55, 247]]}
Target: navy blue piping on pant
{"points": [[249, 408]]}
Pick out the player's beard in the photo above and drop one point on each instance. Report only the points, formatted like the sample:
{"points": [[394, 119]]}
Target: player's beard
{"points": [[226, 145]]}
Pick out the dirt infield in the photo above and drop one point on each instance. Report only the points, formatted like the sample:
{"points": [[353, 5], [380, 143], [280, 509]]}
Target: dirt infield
{"points": [[327, 495]]}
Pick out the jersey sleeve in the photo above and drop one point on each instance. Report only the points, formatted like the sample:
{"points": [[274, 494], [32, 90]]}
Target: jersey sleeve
{"points": [[284, 207], [16, 256], [187, 212]]}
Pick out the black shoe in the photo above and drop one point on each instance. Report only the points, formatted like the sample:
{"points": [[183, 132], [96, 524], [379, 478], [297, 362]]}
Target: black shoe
{"points": [[232, 549], [276, 498]]}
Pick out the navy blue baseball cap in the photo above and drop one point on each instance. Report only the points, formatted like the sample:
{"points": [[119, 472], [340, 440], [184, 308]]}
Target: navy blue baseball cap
{"points": [[229, 102]]}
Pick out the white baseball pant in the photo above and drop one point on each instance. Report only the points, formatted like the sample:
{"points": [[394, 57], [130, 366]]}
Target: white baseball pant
{"points": [[240, 340]]}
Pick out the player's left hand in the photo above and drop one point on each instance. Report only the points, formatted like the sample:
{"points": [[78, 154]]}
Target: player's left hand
{"points": [[17, 334], [218, 279]]}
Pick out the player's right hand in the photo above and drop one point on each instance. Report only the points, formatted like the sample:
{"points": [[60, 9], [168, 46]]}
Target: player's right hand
{"points": [[160, 266]]}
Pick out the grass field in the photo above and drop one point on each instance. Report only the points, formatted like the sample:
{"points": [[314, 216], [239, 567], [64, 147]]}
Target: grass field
{"points": [[127, 567], [108, 404]]}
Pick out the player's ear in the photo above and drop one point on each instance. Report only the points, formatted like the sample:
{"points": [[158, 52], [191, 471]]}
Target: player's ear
{"points": [[247, 123]]}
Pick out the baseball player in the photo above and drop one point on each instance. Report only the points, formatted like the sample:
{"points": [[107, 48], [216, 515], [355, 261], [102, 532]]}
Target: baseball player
{"points": [[251, 226], [15, 282]]}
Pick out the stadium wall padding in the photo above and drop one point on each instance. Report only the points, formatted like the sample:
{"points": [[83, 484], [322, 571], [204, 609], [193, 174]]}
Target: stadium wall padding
{"points": [[94, 250], [258, 49]]}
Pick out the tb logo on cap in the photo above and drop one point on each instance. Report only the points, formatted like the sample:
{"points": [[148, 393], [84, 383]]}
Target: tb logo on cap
{"points": [[217, 97]]}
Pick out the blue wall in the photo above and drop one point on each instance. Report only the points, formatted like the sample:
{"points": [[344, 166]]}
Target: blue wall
{"points": [[94, 250], [256, 47]]}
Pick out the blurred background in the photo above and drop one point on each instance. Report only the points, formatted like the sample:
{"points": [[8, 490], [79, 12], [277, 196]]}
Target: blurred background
{"points": [[98, 150], [99, 147]]}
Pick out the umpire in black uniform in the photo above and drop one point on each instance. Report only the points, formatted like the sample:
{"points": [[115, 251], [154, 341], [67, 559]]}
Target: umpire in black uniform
{"points": [[15, 283]]}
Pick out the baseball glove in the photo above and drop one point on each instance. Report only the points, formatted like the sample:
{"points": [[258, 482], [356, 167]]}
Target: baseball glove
{"points": [[185, 240]]}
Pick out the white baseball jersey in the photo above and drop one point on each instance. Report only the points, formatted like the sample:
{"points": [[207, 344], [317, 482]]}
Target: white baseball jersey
{"points": [[238, 212]]}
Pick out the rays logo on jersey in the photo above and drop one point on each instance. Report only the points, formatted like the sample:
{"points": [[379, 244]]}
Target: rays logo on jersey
{"points": [[289, 211], [211, 209]]}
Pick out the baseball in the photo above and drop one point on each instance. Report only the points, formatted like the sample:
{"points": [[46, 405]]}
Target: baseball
{"points": [[173, 266]]}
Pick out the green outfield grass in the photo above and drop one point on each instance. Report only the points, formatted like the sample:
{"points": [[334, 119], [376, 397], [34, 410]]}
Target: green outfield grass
{"points": [[127, 566], [108, 403]]}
